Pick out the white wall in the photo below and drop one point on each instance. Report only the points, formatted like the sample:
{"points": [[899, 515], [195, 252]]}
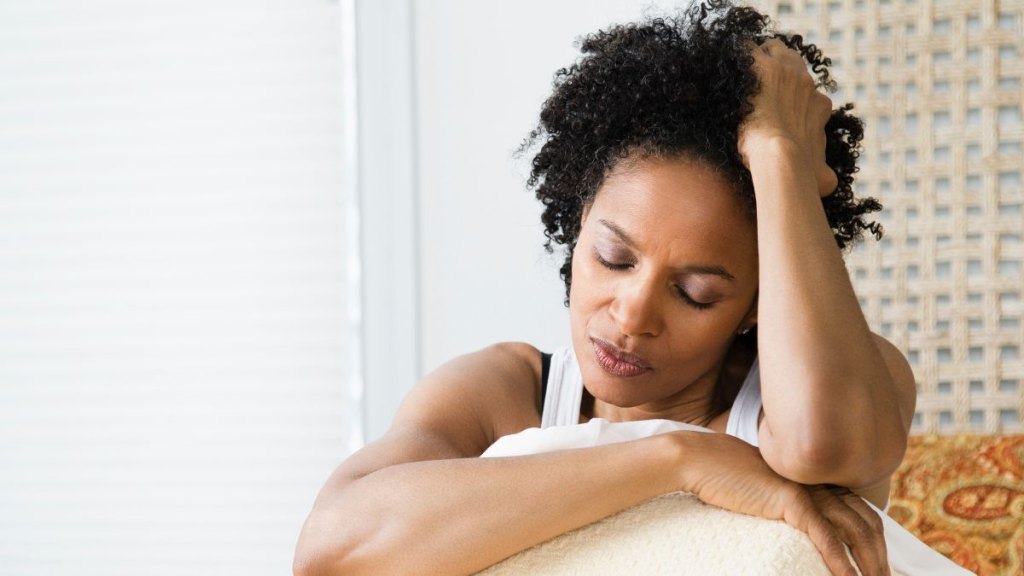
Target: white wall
{"points": [[172, 283], [482, 71], [453, 257]]}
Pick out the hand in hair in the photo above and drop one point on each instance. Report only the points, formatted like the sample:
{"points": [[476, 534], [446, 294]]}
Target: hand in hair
{"points": [[788, 105]]}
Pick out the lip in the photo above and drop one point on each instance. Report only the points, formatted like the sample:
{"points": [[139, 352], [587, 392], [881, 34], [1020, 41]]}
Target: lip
{"points": [[618, 362]]}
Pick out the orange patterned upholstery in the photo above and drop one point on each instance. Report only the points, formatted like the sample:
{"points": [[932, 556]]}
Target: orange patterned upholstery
{"points": [[964, 496]]}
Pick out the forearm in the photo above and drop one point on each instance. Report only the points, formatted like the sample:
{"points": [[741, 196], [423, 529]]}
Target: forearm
{"points": [[459, 516], [830, 404]]}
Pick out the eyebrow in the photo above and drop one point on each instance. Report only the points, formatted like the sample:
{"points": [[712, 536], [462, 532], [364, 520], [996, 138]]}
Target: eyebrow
{"points": [[618, 232], [712, 269]]}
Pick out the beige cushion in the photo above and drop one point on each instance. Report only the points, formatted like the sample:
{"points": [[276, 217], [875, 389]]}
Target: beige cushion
{"points": [[672, 534]]}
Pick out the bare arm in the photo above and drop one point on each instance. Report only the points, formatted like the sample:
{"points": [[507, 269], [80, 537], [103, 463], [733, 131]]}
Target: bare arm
{"points": [[837, 399], [457, 516], [419, 501]]}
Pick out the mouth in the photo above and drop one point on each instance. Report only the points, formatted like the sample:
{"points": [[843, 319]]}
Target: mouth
{"points": [[618, 362]]}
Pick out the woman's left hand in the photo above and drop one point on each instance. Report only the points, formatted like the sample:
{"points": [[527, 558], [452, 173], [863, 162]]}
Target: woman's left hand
{"points": [[789, 106], [725, 471]]}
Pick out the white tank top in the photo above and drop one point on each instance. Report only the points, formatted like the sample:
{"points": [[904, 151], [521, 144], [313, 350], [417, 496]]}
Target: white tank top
{"points": [[565, 394]]}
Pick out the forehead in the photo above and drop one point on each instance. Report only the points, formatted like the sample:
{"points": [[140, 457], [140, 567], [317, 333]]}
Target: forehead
{"points": [[677, 205]]}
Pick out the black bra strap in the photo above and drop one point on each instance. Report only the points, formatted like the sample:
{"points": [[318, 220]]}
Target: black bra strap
{"points": [[545, 367]]}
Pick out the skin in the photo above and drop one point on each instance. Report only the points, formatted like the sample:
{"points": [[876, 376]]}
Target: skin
{"points": [[837, 399], [653, 221]]}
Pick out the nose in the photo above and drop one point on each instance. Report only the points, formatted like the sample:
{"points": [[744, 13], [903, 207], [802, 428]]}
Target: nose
{"points": [[636, 308]]}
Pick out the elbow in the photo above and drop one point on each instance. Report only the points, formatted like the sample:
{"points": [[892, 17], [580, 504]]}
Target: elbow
{"points": [[326, 563], [316, 555], [854, 467], [304, 565], [836, 460], [345, 549], [308, 562]]}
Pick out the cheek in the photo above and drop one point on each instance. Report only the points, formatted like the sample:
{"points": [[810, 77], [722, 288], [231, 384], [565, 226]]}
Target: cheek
{"points": [[703, 329], [586, 294], [581, 277]]}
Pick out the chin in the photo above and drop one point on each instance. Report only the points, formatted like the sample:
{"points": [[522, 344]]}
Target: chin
{"points": [[618, 392]]}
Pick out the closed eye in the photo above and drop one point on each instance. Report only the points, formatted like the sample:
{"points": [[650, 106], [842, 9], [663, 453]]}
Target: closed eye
{"points": [[679, 290], [686, 298], [612, 265]]}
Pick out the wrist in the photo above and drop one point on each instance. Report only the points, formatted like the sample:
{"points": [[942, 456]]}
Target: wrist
{"points": [[779, 164], [678, 463], [765, 150]]}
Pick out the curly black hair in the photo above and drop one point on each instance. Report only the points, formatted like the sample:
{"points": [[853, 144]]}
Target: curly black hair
{"points": [[667, 87]]}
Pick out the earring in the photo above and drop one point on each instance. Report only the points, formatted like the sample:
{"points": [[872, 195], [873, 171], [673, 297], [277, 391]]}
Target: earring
{"points": [[744, 331]]}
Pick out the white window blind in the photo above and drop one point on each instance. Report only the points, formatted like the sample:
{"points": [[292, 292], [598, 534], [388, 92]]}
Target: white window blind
{"points": [[175, 362]]}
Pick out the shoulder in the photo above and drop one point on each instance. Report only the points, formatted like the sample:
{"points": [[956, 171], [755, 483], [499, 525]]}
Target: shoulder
{"points": [[476, 398], [456, 411], [902, 376], [514, 358]]}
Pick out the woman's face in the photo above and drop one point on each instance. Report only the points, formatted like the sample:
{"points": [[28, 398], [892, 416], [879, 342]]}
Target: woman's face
{"points": [[663, 276]]}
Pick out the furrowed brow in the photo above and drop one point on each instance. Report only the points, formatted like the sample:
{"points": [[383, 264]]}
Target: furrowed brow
{"points": [[709, 269], [618, 231]]}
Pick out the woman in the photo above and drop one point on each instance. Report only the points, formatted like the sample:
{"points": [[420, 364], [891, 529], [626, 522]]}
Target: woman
{"points": [[700, 184]]}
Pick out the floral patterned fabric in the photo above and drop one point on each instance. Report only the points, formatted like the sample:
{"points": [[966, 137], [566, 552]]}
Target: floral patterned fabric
{"points": [[964, 496]]}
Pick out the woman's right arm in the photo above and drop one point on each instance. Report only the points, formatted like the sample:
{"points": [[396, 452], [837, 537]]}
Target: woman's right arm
{"points": [[457, 516], [419, 501]]}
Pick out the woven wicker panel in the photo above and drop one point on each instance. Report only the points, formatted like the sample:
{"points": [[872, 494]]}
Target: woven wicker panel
{"points": [[940, 86]]}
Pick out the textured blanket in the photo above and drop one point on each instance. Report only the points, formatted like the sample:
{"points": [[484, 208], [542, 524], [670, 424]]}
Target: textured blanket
{"points": [[963, 495]]}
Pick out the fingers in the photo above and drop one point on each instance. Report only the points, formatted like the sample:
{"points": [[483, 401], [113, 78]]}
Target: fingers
{"points": [[875, 525], [804, 515], [826, 538], [774, 46], [844, 529], [787, 102], [775, 53], [822, 107], [857, 525], [777, 49]]}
